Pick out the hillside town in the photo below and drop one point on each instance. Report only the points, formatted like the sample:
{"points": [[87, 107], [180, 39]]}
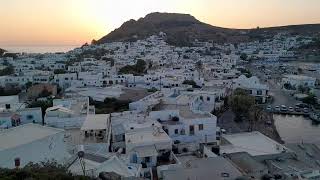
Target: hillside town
{"points": [[150, 110]]}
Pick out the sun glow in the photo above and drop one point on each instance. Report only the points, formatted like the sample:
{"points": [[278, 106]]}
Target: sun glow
{"points": [[79, 21]]}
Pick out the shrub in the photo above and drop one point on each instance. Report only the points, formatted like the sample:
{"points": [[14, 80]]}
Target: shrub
{"points": [[175, 118]]}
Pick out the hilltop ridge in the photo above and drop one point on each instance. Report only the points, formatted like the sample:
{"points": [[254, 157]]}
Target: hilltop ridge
{"points": [[182, 29]]}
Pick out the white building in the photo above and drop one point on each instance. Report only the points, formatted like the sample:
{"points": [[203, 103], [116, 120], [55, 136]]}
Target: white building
{"points": [[185, 126], [65, 80], [67, 113], [97, 128], [298, 80], [253, 86], [32, 143], [254, 143], [13, 113], [141, 138]]}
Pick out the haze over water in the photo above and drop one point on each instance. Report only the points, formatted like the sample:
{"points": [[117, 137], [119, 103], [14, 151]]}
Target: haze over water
{"points": [[39, 48]]}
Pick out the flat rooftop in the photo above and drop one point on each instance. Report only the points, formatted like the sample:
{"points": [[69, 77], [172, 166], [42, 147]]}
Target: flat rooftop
{"points": [[134, 94], [184, 111], [24, 134], [96, 122], [78, 106], [254, 143], [129, 117], [98, 93], [216, 168], [143, 137], [77, 137]]}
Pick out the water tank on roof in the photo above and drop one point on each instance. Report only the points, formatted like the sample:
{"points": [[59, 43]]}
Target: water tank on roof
{"points": [[80, 151]]}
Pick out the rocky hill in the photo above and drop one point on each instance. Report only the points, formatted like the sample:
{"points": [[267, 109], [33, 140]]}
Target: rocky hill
{"points": [[182, 29], [2, 51]]}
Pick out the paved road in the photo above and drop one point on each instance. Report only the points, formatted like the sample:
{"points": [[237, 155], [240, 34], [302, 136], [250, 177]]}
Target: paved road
{"points": [[280, 97]]}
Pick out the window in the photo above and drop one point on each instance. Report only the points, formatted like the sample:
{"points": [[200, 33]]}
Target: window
{"points": [[176, 131], [191, 130], [259, 92], [208, 98], [200, 127], [29, 117], [182, 132]]}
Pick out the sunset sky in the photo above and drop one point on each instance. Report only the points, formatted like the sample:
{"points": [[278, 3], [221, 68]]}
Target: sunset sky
{"points": [[74, 22]]}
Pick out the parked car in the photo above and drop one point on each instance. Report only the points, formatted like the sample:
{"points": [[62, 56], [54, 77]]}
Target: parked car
{"points": [[283, 108], [302, 105], [291, 109], [305, 110], [269, 108], [297, 109], [277, 108]]}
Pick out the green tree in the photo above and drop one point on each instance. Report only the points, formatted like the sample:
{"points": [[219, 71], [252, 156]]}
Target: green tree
{"points": [[246, 72], [289, 86], [10, 91], [310, 99], [137, 69], [243, 56], [45, 171], [110, 105], [28, 85], [59, 71], [43, 104], [7, 71], [191, 82], [241, 102], [44, 93]]}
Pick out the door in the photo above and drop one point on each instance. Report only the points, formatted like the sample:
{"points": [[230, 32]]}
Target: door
{"points": [[191, 130]]}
